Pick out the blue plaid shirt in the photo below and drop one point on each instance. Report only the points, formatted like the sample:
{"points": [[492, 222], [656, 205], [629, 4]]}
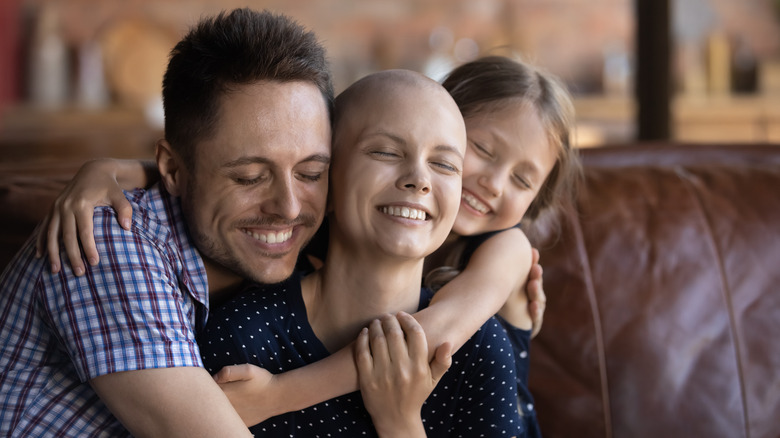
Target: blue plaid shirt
{"points": [[138, 309]]}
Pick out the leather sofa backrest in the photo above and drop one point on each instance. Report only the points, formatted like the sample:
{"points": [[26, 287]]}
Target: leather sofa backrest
{"points": [[663, 290]]}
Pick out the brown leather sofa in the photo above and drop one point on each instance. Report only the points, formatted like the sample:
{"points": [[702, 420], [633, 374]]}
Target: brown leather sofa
{"points": [[27, 191], [663, 287]]}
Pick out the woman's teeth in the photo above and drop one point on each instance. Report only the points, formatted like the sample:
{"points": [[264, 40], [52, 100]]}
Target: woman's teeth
{"points": [[405, 212]]}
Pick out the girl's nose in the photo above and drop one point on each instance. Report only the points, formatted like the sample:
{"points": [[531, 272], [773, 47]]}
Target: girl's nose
{"points": [[492, 182]]}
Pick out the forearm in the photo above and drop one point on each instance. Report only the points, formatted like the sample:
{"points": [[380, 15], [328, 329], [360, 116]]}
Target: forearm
{"points": [[135, 173], [458, 310], [414, 429], [331, 377], [172, 402]]}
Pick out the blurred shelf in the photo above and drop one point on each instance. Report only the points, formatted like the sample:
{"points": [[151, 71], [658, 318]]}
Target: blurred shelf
{"points": [[30, 134], [696, 119]]}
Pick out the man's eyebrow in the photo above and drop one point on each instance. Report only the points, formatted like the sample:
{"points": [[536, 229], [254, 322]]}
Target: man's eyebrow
{"points": [[243, 161], [320, 158]]}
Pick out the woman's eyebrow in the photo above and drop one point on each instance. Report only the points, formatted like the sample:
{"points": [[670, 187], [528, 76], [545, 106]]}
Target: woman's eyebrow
{"points": [[382, 133], [449, 148]]}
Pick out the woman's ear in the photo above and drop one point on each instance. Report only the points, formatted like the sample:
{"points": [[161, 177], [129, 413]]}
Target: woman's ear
{"points": [[170, 166]]}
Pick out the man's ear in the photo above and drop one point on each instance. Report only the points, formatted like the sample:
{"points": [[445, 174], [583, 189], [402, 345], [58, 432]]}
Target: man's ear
{"points": [[170, 166]]}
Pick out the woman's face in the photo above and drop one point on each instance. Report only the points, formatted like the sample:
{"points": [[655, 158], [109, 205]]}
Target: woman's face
{"points": [[395, 174], [507, 160]]}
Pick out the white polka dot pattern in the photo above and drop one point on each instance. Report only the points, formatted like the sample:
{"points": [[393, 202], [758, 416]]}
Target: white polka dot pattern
{"points": [[267, 326]]}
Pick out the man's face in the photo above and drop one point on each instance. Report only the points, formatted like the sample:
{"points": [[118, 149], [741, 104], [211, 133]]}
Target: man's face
{"points": [[258, 189]]}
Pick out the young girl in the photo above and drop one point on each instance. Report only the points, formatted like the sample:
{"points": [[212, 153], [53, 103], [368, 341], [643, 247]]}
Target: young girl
{"points": [[518, 164]]}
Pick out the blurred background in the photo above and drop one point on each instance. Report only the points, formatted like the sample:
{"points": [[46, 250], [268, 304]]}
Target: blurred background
{"points": [[81, 78]]}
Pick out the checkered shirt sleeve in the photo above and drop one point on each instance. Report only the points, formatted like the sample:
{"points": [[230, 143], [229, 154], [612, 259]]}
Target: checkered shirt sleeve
{"points": [[130, 312]]}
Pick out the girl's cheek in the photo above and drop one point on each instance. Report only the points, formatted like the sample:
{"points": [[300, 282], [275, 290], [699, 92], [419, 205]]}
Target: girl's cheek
{"points": [[513, 209]]}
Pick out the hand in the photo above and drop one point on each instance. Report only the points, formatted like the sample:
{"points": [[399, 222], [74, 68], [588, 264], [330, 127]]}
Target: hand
{"points": [[395, 375], [537, 300], [95, 184], [250, 390]]}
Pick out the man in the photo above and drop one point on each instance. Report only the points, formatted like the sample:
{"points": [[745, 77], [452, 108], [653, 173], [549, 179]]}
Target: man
{"points": [[243, 189]]}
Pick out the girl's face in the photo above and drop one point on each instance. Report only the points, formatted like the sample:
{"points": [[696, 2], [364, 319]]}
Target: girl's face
{"points": [[507, 160]]}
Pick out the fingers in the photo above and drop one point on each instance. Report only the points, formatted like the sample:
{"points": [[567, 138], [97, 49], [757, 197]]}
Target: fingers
{"points": [[124, 211], [391, 340], [233, 373], [363, 358], [397, 342], [537, 302], [395, 338], [86, 236], [52, 243], [534, 289], [535, 275], [71, 242], [416, 343], [442, 359], [378, 343]]}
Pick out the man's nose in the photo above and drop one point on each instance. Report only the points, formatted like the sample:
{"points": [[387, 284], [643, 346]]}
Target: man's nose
{"points": [[283, 200]]}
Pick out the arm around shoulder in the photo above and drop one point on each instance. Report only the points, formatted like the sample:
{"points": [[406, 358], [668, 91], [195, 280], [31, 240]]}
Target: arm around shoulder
{"points": [[496, 271], [171, 402], [151, 381], [98, 182]]}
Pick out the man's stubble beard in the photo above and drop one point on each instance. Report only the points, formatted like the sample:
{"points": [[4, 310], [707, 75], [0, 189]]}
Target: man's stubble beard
{"points": [[220, 255]]}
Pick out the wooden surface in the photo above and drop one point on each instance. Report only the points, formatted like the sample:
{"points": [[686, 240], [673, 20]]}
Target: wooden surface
{"points": [[29, 135], [697, 119]]}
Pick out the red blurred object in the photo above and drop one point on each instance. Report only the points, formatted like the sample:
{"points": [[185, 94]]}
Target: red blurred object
{"points": [[10, 53]]}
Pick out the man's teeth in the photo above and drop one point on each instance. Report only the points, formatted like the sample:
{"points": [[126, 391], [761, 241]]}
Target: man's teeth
{"points": [[279, 237], [475, 203], [405, 212]]}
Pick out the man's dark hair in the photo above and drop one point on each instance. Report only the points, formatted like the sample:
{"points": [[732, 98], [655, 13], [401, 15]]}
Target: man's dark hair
{"points": [[231, 49]]}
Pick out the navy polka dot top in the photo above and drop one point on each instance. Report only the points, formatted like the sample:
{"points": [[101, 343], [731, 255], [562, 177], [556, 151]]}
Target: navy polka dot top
{"points": [[267, 326]]}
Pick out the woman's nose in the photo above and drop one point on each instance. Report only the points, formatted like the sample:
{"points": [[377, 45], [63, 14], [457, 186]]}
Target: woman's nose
{"points": [[416, 179]]}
